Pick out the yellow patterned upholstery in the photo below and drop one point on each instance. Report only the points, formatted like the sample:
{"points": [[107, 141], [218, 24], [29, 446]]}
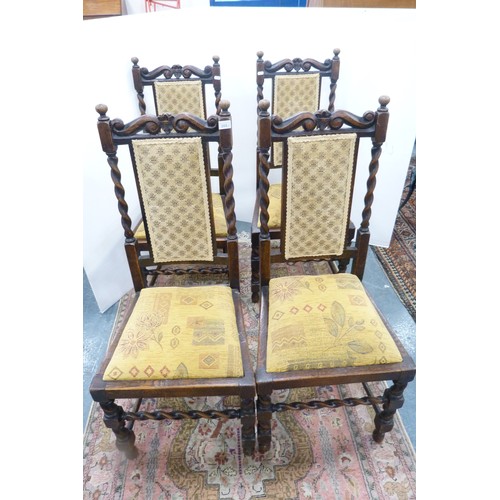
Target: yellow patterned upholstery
{"points": [[293, 94], [219, 217], [179, 97], [318, 194], [179, 332], [173, 185], [274, 208], [219, 220], [324, 321]]}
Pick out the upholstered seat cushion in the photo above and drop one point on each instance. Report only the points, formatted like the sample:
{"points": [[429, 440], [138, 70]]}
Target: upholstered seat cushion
{"points": [[179, 332], [324, 321], [274, 208], [219, 220]]}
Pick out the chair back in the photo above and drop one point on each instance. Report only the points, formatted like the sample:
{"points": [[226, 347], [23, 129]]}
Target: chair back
{"points": [[296, 87], [178, 89], [320, 153], [168, 155], [173, 191]]}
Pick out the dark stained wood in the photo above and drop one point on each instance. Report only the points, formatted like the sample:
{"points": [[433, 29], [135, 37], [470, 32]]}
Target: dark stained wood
{"points": [[113, 419], [209, 76], [372, 125], [384, 420], [114, 134]]}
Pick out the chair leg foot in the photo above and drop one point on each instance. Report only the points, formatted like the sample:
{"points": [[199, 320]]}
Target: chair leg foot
{"points": [[378, 437], [264, 416], [384, 421], [248, 425], [343, 265], [264, 443], [125, 437], [248, 447], [128, 446]]}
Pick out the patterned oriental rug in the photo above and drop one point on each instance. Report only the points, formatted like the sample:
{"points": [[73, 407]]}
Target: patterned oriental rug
{"points": [[315, 454], [399, 260]]}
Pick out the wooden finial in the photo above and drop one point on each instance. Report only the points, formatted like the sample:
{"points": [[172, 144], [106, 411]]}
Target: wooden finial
{"points": [[336, 52], [382, 120], [260, 54], [264, 104], [384, 100], [216, 59], [135, 60], [102, 109], [224, 104]]}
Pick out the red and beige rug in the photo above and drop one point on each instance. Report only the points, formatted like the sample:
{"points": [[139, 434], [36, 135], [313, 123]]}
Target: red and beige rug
{"points": [[315, 454], [399, 259]]}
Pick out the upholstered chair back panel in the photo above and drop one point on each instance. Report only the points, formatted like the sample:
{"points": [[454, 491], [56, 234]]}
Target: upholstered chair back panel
{"points": [[319, 180], [174, 193]]}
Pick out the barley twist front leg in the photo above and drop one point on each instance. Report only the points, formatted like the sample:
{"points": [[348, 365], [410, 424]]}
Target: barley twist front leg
{"points": [[384, 421], [125, 437]]}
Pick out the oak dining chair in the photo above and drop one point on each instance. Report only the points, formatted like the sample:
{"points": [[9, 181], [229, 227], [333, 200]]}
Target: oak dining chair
{"points": [[322, 329], [176, 341]]}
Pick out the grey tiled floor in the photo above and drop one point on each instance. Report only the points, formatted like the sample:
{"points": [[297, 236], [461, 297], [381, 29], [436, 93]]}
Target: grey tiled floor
{"points": [[97, 328], [96, 331]]}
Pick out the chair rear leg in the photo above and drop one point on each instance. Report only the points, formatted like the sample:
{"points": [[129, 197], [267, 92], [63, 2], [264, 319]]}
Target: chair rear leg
{"points": [[384, 420], [255, 264], [248, 425], [264, 416], [125, 437], [343, 264]]}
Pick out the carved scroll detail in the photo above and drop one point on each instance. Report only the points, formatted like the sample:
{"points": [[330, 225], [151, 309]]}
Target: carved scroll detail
{"points": [[176, 71], [323, 120], [297, 64], [184, 121], [153, 125], [164, 271], [145, 123]]}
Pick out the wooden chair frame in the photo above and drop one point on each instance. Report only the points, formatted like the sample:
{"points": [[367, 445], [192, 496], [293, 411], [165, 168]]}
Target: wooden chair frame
{"points": [[208, 76], [374, 126], [114, 133], [328, 70]]}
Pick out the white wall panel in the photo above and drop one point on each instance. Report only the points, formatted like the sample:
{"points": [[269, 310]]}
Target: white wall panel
{"points": [[377, 57]]}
